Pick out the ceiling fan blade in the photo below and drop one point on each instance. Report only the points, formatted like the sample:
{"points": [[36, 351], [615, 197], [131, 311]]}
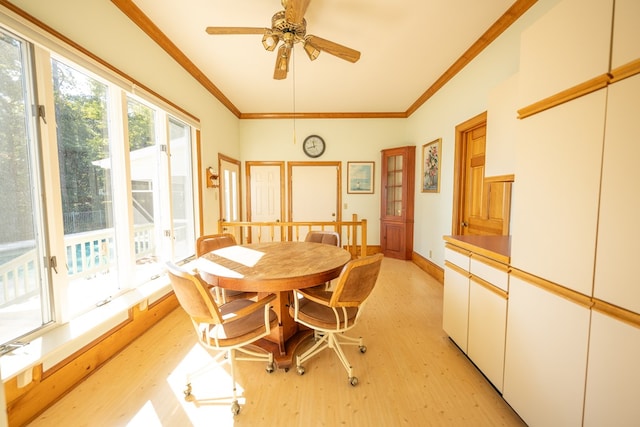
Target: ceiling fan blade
{"points": [[235, 30], [282, 62], [295, 10], [335, 49]]}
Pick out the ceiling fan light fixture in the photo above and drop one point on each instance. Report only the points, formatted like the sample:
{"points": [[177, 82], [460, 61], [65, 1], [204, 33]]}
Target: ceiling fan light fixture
{"points": [[312, 51], [270, 41]]}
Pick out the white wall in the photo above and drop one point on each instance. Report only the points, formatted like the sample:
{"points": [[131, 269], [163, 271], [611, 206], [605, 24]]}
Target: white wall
{"points": [[101, 28], [346, 139]]}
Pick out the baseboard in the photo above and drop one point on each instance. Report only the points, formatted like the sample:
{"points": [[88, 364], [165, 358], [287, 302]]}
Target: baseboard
{"points": [[432, 269]]}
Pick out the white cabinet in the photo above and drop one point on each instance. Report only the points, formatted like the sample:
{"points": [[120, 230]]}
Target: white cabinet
{"points": [[488, 287], [545, 356], [475, 309], [555, 205], [616, 278], [455, 305], [554, 58], [626, 33], [487, 325], [614, 373]]}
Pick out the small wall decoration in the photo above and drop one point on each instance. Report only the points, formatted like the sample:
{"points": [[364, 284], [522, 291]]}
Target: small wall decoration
{"points": [[360, 177], [431, 166]]}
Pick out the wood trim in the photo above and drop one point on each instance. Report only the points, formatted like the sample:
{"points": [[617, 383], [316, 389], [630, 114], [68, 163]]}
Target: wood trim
{"points": [[458, 249], [201, 182], [567, 95], [135, 14], [291, 165], [624, 71], [491, 262], [554, 288], [459, 169], [501, 293], [93, 57], [247, 174], [616, 312], [221, 158], [26, 403], [504, 22], [429, 267], [362, 115], [457, 269], [500, 178]]}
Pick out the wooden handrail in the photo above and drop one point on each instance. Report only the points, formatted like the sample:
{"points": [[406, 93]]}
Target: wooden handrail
{"points": [[256, 232]]}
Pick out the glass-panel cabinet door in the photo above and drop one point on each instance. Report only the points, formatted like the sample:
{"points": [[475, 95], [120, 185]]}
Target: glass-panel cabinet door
{"points": [[394, 186]]}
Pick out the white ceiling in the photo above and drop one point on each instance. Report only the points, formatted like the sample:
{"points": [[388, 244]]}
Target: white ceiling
{"points": [[405, 46]]}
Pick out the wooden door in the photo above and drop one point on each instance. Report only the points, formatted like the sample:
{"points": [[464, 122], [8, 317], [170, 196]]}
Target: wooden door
{"points": [[482, 204]]}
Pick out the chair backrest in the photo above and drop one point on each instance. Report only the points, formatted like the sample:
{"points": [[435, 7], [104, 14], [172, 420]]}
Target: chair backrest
{"points": [[326, 237], [356, 281], [211, 242], [193, 296]]}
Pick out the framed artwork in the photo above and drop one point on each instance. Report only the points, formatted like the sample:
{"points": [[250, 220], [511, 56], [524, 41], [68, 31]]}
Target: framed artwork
{"points": [[360, 177], [431, 166]]}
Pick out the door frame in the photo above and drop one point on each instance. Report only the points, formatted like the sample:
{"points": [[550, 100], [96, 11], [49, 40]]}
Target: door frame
{"points": [[338, 166], [459, 171], [247, 173], [221, 158]]}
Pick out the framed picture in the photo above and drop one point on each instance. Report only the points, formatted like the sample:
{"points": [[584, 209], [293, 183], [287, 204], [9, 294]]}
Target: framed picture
{"points": [[431, 166], [360, 177]]}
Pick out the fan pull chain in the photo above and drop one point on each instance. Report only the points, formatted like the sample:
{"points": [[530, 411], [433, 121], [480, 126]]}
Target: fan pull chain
{"points": [[293, 60]]}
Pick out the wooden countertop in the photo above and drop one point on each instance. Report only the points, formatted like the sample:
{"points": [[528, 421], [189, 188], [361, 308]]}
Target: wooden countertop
{"points": [[494, 247]]}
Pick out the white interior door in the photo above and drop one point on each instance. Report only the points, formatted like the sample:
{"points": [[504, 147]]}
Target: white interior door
{"points": [[266, 198], [314, 193]]}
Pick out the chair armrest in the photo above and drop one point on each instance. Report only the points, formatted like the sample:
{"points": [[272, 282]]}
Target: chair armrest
{"points": [[320, 297], [258, 305]]}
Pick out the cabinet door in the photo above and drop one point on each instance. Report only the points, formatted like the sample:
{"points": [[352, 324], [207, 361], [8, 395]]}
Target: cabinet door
{"points": [[553, 58], [545, 356], [616, 276], [393, 240], [555, 206], [455, 308], [487, 329], [614, 373]]}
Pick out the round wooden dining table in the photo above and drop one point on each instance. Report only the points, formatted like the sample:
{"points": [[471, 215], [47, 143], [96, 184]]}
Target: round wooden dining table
{"points": [[278, 268]]}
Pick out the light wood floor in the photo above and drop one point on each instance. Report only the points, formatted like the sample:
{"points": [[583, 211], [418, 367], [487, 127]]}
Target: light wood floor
{"points": [[411, 375]]}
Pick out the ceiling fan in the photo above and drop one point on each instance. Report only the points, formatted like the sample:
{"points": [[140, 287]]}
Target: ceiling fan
{"points": [[290, 27]]}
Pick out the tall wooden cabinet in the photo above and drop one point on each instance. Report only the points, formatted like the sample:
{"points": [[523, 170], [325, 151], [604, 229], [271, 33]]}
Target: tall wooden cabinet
{"points": [[396, 216]]}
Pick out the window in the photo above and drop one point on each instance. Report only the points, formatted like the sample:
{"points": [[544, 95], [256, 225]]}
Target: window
{"points": [[125, 200], [24, 281]]}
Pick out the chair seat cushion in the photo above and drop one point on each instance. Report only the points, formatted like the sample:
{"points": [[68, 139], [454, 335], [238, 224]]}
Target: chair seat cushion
{"points": [[321, 317], [243, 329]]}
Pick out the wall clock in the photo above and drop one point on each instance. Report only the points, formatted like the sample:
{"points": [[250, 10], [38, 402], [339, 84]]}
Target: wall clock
{"points": [[313, 146]]}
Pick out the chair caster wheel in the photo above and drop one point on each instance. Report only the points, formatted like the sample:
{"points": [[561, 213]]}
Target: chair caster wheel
{"points": [[235, 408], [363, 349], [270, 368], [300, 370], [353, 381]]}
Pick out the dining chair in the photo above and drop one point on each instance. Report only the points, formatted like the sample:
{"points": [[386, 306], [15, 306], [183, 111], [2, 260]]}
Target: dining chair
{"points": [[211, 242], [326, 237], [331, 313], [226, 329]]}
